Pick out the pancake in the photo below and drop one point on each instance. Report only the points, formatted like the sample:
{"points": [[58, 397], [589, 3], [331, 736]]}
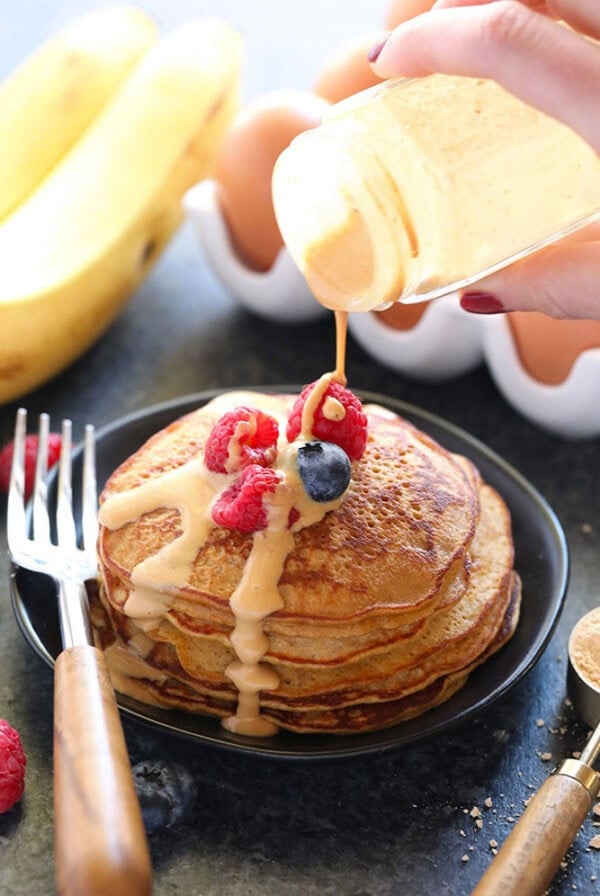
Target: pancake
{"points": [[380, 607]]}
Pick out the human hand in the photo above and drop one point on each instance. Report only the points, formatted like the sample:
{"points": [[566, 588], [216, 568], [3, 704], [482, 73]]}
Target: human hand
{"points": [[556, 69]]}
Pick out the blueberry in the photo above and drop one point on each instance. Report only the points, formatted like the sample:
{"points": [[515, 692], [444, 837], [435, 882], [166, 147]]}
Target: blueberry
{"points": [[324, 470], [166, 792]]}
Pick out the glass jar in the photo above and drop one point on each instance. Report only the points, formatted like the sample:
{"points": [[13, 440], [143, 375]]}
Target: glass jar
{"points": [[418, 187]]}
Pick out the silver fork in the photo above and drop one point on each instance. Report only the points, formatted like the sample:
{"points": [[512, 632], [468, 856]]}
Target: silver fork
{"points": [[68, 564], [100, 841]]}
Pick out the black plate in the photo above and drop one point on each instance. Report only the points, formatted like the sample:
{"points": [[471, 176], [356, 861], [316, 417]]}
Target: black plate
{"points": [[541, 559]]}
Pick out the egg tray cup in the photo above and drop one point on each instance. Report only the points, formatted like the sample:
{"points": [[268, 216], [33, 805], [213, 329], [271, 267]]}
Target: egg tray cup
{"points": [[570, 409], [445, 342]]}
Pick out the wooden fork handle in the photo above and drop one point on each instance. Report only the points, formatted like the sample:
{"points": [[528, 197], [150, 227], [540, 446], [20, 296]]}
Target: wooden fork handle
{"points": [[532, 852], [100, 842]]}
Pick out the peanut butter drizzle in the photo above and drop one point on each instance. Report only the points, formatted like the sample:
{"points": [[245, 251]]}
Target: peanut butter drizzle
{"points": [[255, 598], [341, 339], [191, 489], [332, 408]]}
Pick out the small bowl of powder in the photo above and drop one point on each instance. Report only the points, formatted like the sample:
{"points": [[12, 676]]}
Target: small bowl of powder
{"points": [[584, 667]]}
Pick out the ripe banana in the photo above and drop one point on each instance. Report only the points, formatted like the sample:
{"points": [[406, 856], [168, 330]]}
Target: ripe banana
{"points": [[49, 100], [74, 251]]}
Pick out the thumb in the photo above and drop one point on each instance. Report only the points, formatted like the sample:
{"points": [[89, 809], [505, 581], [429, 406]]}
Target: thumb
{"points": [[562, 281]]}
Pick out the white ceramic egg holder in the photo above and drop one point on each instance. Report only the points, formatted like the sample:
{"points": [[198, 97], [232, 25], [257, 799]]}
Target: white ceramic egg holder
{"points": [[445, 342]]}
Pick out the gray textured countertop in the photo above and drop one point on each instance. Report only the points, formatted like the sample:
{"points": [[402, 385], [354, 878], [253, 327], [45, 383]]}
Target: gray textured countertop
{"points": [[399, 822]]}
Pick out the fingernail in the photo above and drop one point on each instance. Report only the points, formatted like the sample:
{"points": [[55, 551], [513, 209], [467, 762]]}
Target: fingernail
{"points": [[373, 54], [481, 303]]}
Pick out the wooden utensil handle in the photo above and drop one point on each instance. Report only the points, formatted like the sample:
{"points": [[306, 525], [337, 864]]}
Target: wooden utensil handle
{"points": [[100, 841], [532, 852]]}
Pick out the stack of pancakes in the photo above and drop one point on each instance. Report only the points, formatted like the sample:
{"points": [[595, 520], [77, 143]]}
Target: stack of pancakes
{"points": [[389, 601]]}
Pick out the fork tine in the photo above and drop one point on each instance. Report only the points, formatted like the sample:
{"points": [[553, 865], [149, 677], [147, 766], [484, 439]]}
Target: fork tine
{"points": [[16, 517], [65, 524], [89, 514], [41, 521]]}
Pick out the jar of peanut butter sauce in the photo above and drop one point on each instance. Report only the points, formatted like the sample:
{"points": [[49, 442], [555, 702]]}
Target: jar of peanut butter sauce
{"points": [[416, 188]]}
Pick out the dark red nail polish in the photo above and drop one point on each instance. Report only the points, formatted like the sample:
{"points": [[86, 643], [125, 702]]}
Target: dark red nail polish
{"points": [[481, 303], [373, 54]]}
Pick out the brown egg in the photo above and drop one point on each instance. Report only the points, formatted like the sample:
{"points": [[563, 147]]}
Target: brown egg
{"points": [[244, 168], [547, 347], [402, 317], [348, 70], [402, 10]]}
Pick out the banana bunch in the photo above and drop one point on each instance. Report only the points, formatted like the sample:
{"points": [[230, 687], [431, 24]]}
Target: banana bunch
{"points": [[109, 126]]}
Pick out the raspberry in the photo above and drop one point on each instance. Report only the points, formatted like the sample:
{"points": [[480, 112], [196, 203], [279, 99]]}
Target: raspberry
{"points": [[31, 447], [12, 767], [241, 437], [241, 505], [166, 792], [350, 433]]}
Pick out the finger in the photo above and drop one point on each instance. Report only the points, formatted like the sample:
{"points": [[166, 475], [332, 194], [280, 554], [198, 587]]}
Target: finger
{"points": [[542, 62], [562, 281]]}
